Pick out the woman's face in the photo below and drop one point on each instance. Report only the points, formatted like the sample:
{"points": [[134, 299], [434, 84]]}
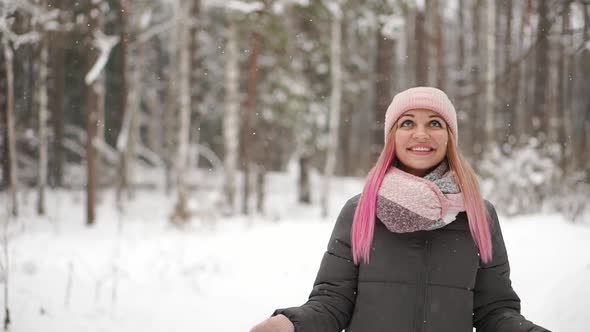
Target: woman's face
{"points": [[421, 139]]}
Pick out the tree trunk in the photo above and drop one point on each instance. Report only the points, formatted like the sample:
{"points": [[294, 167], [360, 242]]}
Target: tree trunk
{"points": [[92, 96], [194, 53], [170, 146], [475, 116], [154, 125], [462, 77], [461, 42], [562, 107], [170, 128], [511, 87], [100, 88], [126, 98], [231, 117], [184, 117], [26, 60], [56, 100], [422, 58], [263, 162], [490, 126], [133, 105], [195, 77], [335, 105], [344, 156], [134, 88], [365, 142], [247, 130], [583, 102], [540, 108], [260, 192], [352, 102], [409, 62], [521, 127], [383, 94], [133, 62], [91, 102], [499, 28], [3, 128], [43, 113], [569, 87], [441, 71], [304, 192], [157, 107], [11, 143]]}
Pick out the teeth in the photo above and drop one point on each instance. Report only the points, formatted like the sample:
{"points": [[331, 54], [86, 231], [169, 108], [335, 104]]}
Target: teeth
{"points": [[421, 149]]}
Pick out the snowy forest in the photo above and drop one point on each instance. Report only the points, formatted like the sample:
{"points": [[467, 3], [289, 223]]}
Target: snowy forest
{"points": [[213, 118]]}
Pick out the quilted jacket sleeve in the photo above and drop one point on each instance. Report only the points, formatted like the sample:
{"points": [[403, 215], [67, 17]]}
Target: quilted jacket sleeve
{"points": [[496, 305], [330, 304]]}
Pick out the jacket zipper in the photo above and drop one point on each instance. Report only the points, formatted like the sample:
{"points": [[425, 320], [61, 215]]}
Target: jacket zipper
{"points": [[420, 314]]}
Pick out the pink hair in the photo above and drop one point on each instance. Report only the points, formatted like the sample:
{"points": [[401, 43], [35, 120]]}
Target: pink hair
{"points": [[477, 214], [363, 225]]}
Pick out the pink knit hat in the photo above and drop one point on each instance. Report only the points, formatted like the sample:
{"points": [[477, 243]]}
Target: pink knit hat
{"points": [[421, 98]]}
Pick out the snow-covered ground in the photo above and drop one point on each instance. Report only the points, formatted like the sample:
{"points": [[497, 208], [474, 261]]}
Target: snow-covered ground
{"points": [[227, 275]]}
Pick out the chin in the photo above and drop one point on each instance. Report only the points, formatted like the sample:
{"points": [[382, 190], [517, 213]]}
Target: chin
{"points": [[422, 167]]}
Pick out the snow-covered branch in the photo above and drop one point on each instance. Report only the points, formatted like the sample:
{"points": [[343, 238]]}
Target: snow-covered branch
{"points": [[9, 6], [334, 8], [16, 39], [39, 13], [392, 25], [155, 29], [105, 45], [47, 19], [584, 46], [236, 5]]}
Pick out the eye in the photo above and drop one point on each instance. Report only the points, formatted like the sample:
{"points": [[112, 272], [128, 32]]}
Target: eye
{"points": [[406, 123], [436, 123]]}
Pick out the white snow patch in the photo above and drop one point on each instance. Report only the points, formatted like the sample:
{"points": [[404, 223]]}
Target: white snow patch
{"points": [[152, 276]]}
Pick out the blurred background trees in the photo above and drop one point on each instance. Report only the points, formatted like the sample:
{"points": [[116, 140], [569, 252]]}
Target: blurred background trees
{"points": [[138, 94]]}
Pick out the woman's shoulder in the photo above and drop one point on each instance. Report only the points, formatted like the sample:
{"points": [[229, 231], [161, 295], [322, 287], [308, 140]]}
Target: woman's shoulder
{"points": [[489, 205], [354, 200], [346, 216], [350, 205], [491, 209]]}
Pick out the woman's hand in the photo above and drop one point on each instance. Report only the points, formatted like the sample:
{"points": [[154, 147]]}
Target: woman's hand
{"points": [[278, 323]]}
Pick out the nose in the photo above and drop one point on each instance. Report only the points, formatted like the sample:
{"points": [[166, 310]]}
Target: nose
{"points": [[420, 133]]}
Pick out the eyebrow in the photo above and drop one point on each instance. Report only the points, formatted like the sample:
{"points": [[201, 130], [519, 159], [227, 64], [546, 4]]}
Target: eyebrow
{"points": [[430, 116]]}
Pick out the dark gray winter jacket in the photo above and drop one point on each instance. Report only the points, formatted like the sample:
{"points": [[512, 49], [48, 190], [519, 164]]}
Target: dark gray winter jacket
{"points": [[427, 281]]}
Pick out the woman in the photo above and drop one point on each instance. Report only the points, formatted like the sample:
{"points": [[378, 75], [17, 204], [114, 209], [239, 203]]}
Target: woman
{"points": [[419, 249]]}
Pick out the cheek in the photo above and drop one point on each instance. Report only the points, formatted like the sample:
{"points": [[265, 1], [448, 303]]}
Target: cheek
{"points": [[442, 139], [401, 138], [443, 143], [398, 149], [400, 142]]}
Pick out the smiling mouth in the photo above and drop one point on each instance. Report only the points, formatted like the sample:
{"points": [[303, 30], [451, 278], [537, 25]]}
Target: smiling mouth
{"points": [[421, 150]]}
